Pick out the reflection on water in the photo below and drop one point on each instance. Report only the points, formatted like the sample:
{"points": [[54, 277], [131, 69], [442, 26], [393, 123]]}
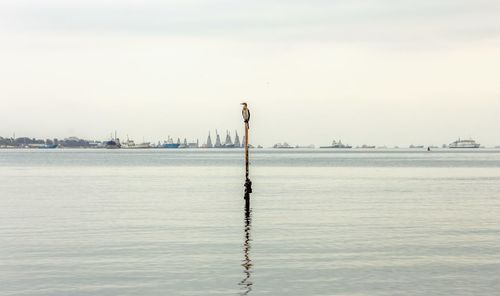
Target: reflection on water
{"points": [[121, 222], [246, 283]]}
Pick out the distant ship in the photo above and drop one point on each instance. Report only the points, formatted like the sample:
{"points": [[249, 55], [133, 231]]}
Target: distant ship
{"points": [[285, 145], [170, 143], [311, 146], [464, 144], [49, 146], [416, 146], [112, 144], [43, 146], [364, 146], [338, 145], [130, 144]]}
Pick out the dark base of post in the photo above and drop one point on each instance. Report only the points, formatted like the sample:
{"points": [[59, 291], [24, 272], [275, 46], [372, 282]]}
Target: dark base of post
{"points": [[248, 186], [248, 190], [247, 205]]}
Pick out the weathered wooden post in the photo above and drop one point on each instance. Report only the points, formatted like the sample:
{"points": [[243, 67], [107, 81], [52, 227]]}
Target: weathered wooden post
{"points": [[247, 262], [248, 184], [246, 152]]}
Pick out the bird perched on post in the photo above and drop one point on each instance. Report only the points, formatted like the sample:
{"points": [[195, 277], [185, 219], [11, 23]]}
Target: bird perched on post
{"points": [[246, 115]]}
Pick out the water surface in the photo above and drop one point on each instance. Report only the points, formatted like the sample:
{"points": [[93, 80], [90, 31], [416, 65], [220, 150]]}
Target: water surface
{"points": [[322, 222]]}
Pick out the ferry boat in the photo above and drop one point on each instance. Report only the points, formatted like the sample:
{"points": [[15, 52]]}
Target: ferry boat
{"points": [[285, 145], [464, 144], [337, 145], [170, 144]]}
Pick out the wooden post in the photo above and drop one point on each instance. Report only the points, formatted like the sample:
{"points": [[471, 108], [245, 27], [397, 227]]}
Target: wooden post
{"points": [[248, 183], [246, 150], [248, 189]]}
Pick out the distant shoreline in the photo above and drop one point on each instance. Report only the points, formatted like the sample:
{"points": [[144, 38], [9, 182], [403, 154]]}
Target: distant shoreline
{"points": [[265, 148], [115, 143]]}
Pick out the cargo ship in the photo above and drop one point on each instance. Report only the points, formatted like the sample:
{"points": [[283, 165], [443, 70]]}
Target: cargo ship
{"points": [[130, 144], [464, 144]]}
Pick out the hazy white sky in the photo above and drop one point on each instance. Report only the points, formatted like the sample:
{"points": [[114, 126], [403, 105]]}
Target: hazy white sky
{"points": [[372, 71]]}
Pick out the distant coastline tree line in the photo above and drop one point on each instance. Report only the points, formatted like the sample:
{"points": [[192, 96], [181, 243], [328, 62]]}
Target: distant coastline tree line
{"points": [[71, 142]]}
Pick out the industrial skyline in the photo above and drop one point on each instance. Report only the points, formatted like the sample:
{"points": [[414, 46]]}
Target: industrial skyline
{"points": [[211, 142]]}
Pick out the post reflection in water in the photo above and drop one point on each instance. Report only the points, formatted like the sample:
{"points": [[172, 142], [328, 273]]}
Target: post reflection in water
{"points": [[246, 283]]}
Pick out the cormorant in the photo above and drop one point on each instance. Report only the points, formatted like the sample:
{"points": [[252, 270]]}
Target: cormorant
{"points": [[246, 115]]}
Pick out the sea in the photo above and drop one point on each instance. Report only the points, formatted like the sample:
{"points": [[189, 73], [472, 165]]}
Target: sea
{"points": [[319, 222]]}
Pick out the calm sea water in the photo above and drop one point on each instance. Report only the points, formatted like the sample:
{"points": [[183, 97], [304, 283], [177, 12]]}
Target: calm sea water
{"points": [[322, 222]]}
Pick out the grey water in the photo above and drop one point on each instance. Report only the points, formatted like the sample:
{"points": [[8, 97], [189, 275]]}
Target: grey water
{"points": [[320, 222]]}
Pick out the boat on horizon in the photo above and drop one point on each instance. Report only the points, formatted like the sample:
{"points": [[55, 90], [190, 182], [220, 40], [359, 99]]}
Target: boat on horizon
{"points": [[464, 144], [130, 144], [170, 144], [43, 146], [285, 145], [112, 144], [337, 145]]}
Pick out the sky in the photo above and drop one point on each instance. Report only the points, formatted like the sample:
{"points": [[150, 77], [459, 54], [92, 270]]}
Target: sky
{"points": [[380, 72]]}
